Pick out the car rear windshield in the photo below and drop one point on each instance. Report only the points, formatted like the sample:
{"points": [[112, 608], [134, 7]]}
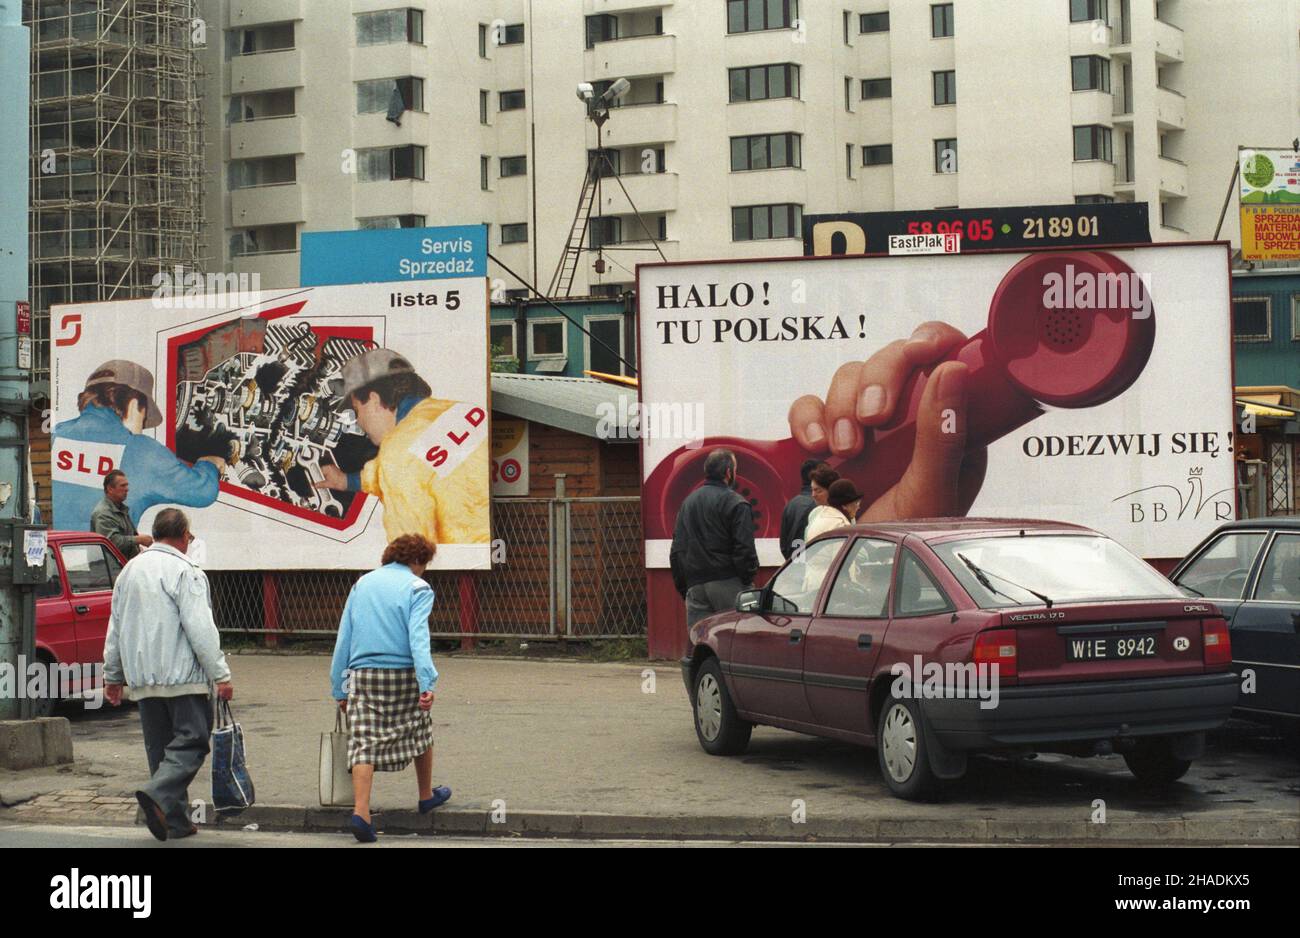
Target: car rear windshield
{"points": [[1065, 568]]}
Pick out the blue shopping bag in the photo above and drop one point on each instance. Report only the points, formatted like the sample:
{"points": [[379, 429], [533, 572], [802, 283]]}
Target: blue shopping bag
{"points": [[232, 786]]}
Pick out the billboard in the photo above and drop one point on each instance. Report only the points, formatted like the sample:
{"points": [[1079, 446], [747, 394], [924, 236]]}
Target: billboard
{"points": [[1082, 386], [1270, 204], [303, 432], [1025, 227]]}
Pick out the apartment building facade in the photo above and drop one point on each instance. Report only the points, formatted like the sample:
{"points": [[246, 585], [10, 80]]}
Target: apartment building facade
{"points": [[741, 117]]}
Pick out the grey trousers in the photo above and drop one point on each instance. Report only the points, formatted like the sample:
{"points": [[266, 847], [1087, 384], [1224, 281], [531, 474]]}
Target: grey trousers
{"points": [[705, 599], [176, 733]]}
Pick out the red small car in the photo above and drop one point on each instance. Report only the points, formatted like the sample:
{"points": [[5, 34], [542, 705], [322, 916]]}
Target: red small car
{"points": [[73, 607], [930, 640]]}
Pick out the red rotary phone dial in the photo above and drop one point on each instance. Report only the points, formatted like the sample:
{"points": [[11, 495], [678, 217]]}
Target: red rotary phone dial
{"points": [[1029, 356]]}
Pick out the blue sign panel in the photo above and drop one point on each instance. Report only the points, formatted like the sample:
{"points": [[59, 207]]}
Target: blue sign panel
{"points": [[383, 255]]}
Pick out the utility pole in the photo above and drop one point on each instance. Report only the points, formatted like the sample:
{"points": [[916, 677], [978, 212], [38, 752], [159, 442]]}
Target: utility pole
{"points": [[17, 598]]}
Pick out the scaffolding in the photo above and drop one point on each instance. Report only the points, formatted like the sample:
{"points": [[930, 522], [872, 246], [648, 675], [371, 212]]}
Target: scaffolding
{"points": [[117, 151]]}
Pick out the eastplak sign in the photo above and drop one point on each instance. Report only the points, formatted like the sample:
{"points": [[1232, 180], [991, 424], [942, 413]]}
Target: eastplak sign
{"points": [[1085, 386]]}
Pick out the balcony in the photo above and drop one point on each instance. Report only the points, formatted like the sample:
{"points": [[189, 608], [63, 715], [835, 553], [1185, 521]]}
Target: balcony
{"points": [[1091, 107], [1171, 109], [649, 192], [767, 186], [266, 71], [756, 117], [377, 130], [245, 13], [1169, 43], [278, 270], [635, 125], [385, 61], [395, 197], [257, 206], [1093, 177], [628, 6], [627, 58], [271, 136], [1173, 177]]}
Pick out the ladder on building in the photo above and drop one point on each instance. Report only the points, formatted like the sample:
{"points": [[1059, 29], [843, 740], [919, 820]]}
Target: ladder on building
{"points": [[562, 280]]}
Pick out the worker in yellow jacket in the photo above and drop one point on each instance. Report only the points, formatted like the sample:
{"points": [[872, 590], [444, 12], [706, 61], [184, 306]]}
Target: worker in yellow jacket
{"points": [[431, 472]]}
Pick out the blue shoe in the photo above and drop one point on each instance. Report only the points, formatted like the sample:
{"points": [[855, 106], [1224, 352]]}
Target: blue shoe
{"points": [[441, 795], [362, 831]]}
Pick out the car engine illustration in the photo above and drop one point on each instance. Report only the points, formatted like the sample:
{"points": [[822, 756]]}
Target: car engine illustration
{"points": [[264, 397]]}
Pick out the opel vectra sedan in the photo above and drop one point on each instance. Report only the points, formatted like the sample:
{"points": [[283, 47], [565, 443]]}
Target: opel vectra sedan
{"points": [[930, 640]]}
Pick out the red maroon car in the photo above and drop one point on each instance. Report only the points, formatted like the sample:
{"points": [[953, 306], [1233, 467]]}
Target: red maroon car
{"points": [[933, 639], [73, 607]]}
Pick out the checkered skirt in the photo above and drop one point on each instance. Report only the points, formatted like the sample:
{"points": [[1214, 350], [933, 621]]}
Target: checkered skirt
{"points": [[388, 727]]}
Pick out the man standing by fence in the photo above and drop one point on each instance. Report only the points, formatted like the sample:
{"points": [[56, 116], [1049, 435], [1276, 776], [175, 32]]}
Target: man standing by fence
{"points": [[163, 645], [713, 556]]}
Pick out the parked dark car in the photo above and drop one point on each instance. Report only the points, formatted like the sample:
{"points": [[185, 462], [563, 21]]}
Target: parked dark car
{"points": [[1095, 651], [73, 607], [1251, 570]]}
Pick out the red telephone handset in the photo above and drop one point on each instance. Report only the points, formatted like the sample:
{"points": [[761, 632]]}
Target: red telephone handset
{"points": [[1030, 355]]}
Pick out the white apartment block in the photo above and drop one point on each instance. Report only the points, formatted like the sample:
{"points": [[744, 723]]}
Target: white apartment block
{"points": [[742, 116]]}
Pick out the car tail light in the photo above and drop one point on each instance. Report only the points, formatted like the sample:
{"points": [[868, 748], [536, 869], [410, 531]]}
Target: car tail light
{"points": [[998, 646], [1216, 646]]}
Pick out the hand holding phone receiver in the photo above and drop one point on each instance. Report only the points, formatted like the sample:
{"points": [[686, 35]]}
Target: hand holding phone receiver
{"points": [[1039, 350]]}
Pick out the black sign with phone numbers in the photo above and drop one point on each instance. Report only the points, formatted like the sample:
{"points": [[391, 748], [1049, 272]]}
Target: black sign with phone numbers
{"points": [[1026, 226]]}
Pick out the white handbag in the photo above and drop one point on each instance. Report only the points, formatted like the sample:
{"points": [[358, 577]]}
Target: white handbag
{"points": [[335, 779]]}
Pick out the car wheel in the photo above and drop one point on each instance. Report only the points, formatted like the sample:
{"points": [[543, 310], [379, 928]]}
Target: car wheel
{"points": [[900, 749], [1153, 763], [720, 731], [45, 706]]}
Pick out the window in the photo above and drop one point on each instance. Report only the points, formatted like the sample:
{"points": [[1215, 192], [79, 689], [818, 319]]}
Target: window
{"points": [[945, 155], [794, 590], [761, 222], [848, 160], [89, 568], [53, 585], [391, 221], [940, 20], [1252, 318], [261, 106], [501, 336], [267, 171], [945, 87], [387, 26], [1093, 199], [511, 100], [1092, 142], [847, 19], [547, 339], [747, 16], [848, 94], [1279, 577], [1090, 73], [603, 27], [761, 82], [766, 151], [603, 230], [390, 163], [514, 166], [881, 154], [1219, 571], [918, 594], [512, 35], [483, 97], [609, 331], [873, 23], [862, 587], [376, 96], [1081, 11], [514, 234], [482, 40], [877, 88]]}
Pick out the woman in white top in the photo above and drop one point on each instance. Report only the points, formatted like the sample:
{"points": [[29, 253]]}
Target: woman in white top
{"points": [[843, 501]]}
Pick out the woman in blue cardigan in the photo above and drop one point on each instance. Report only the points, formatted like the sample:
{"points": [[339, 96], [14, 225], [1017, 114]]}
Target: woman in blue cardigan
{"points": [[383, 677]]}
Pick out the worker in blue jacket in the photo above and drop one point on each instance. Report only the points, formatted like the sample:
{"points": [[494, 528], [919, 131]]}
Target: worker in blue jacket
{"points": [[116, 407]]}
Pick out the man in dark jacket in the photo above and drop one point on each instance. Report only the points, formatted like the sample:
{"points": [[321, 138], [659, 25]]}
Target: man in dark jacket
{"points": [[713, 556], [795, 517], [112, 518]]}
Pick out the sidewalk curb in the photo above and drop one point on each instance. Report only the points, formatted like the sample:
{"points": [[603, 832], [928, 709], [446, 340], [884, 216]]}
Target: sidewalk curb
{"points": [[472, 822]]}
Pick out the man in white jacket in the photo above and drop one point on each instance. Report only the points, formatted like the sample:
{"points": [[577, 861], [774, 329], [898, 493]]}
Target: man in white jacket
{"points": [[163, 645]]}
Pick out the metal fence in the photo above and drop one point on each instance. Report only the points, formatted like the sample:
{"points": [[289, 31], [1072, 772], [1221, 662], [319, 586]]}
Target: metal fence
{"points": [[561, 567]]}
